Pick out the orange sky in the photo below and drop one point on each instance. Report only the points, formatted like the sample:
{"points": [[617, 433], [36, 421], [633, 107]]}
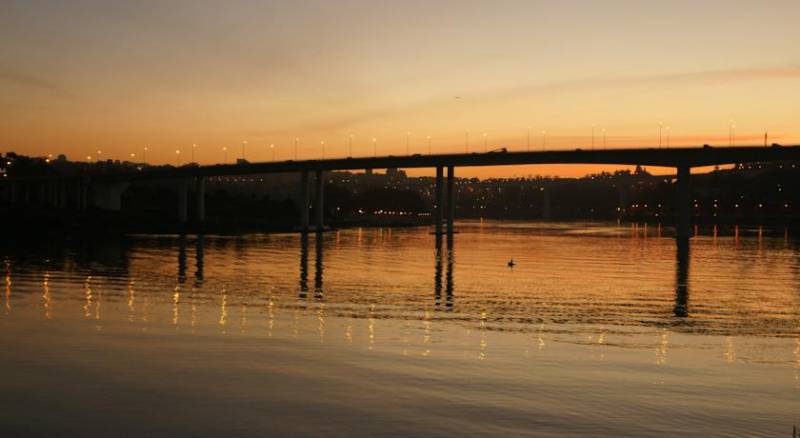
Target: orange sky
{"points": [[77, 77]]}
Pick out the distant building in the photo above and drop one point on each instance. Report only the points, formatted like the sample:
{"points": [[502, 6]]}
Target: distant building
{"points": [[395, 173]]}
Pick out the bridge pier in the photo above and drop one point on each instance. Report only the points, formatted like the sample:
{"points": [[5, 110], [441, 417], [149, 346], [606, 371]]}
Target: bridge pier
{"points": [[451, 205], [683, 212], [305, 200], [182, 187], [681, 308], [303, 265], [319, 207], [437, 207], [200, 199]]}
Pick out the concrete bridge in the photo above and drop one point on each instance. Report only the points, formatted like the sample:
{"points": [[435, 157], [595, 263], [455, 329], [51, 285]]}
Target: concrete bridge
{"points": [[104, 190]]}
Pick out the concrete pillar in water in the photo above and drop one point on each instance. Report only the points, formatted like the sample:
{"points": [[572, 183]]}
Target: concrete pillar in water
{"points": [[319, 207], [200, 199], [682, 278], [303, 265], [437, 214], [437, 271], [305, 196], [182, 186], [683, 212], [451, 204]]}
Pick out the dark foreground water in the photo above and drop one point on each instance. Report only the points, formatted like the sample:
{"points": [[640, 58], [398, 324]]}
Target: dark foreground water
{"points": [[599, 330]]}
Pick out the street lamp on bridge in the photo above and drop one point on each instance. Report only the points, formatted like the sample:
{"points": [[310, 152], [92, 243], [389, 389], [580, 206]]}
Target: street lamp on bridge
{"points": [[529, 139], [350, 145], [669, 131]]}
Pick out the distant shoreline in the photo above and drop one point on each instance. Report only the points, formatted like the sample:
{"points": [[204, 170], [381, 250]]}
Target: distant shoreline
{"points": [[30, 224]]}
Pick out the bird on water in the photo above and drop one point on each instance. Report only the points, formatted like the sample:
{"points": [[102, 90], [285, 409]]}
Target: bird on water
{"points": [[511, 263]]}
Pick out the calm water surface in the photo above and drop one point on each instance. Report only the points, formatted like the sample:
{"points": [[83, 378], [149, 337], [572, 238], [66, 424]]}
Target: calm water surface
{"points": [[599, 330]]}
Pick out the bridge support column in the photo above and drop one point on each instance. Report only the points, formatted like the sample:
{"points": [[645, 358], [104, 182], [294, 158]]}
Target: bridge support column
{"points": [[681, 309], [200, 199], [683, 212], [319, 207], [183, 202], [437, 207], [451, 205], [305, 200]]}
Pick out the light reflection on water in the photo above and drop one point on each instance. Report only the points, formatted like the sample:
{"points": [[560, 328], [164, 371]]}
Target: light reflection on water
{"points": [[674, 337]]}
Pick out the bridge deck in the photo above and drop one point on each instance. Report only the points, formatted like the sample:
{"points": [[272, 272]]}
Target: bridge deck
{"points": [[674, 157]]}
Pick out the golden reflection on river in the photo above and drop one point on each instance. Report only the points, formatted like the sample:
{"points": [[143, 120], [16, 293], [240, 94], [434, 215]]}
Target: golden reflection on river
{"points": [[594, 303]]}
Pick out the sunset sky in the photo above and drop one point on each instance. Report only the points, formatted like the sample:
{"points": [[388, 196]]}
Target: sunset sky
{"points": [[78, 76]]}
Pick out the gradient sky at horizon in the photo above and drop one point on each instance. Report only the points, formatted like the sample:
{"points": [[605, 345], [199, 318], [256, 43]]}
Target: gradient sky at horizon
{"points": [[84, 75]]}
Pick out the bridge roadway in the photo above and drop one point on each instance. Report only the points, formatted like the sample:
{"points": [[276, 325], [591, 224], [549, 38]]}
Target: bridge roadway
{"points": [[104, 190], [673, 157]]}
